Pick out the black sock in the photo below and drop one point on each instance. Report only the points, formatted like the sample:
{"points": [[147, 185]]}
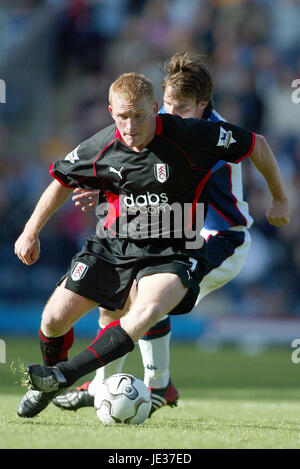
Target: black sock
{"points": [[55, 349], [112, 342]]}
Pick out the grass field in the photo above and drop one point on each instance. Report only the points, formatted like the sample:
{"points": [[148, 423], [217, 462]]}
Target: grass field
{"points": [[228, 400]]}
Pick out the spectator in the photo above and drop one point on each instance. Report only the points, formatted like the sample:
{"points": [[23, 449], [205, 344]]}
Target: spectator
{"points": [[251, 47]]}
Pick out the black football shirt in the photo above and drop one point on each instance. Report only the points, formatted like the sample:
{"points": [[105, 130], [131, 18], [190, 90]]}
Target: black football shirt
{"points": [[141, 193]]}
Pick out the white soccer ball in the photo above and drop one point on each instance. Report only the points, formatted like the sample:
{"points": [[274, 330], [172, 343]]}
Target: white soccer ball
{"points": [[122, 398]]}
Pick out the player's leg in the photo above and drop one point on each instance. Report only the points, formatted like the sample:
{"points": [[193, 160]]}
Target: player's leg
{"points": [[87, 278], [154, 347], [155, 351], [83, 395], [227, 252], [116, 366], [107, 316], [61, 311], [156, 360], [157, 295]]}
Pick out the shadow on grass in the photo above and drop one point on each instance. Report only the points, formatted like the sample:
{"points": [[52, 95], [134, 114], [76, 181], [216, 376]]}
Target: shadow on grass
{"points": [[225, 374]]}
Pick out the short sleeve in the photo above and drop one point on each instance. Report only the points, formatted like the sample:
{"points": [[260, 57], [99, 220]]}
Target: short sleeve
{"points": [[222, 141], [77, 169]]}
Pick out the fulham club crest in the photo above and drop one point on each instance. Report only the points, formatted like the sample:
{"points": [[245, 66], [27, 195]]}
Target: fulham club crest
{"points": [[79, 270], [161, 172]]}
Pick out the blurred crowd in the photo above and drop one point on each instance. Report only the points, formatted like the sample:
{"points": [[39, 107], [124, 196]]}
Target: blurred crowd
{"points": [[58, 58]]}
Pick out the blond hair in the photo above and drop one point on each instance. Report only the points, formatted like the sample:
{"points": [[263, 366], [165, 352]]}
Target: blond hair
{"points": [[131, 86]]}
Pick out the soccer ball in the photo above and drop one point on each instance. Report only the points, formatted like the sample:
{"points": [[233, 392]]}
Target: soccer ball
{"points": [[122, 398]]}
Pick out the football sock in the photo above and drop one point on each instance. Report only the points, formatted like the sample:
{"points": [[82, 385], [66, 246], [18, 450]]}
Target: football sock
{"points": [[116, 366], [55, 349], [155, 350], [111, 343]]}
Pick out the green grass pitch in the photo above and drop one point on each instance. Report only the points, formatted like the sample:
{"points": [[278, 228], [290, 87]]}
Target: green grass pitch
{"points": [[227, 400]]}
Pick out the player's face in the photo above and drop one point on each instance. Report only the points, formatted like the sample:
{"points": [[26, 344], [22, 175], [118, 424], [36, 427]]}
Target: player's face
{"points": [[182, 106], [134, 120]]}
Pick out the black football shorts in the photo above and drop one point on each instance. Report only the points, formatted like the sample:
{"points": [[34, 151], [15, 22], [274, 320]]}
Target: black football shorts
{"points": [[104, 270]]}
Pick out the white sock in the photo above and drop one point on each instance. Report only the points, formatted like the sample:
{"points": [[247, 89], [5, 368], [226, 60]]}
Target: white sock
{"points": [[104, 372], [156, 361]]}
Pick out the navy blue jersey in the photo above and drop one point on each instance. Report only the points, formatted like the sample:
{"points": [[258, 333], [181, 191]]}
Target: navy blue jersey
{"points": [[172, 169], [226, 207]]}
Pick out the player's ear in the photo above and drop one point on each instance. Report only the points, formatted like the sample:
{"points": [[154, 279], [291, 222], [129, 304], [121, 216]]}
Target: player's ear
{"points": [[111, 111], [202, 105], [155, 108]]}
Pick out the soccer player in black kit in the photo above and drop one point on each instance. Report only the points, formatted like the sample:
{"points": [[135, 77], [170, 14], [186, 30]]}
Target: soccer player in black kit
{"points": [[142, 164]]}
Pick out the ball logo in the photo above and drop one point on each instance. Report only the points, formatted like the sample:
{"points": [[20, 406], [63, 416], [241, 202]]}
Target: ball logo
{"points": [[79, 270], [161, 172], [130, 392]]}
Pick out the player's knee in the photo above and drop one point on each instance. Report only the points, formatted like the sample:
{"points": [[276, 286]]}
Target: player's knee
{"points": [[107, 316], [53, 324], [152, 313]]}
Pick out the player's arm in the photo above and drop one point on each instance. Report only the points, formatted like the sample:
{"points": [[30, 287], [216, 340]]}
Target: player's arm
{"points": [[263, 159], [228, 142], [27, 246], [77, 169]]}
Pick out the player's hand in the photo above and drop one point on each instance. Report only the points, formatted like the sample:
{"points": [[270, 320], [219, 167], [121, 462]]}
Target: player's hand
{"points": [[278, 214], [86, 200], [27, 248]]}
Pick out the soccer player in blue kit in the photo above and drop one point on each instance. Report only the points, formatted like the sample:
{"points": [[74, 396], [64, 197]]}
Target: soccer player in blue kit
{"points": [[188, 89], [167, 279]]}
